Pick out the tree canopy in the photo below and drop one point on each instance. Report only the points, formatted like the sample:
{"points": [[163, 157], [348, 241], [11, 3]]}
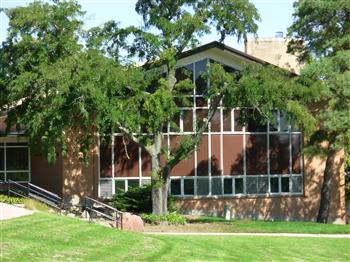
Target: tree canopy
{"points": [[321, 36]]}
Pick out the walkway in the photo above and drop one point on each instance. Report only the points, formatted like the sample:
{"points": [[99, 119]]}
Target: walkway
{"points": [[252, 234], [10, 211]]}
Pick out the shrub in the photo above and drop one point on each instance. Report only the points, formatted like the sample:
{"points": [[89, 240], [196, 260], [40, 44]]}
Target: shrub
{"points": [[172, 218], [11, 200], [138, 200]]}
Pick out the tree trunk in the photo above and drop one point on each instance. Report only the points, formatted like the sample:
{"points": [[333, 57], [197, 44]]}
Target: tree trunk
{"points": [[325, 201], [160, 183]]}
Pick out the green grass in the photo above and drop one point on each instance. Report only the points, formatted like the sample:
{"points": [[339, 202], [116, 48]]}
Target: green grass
{"points": [[48, 237], [258, 226]]}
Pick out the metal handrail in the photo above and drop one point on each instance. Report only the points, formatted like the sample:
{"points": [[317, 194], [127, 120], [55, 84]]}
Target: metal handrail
{"points": [[31, 192], [43, 190], [118, 219]]}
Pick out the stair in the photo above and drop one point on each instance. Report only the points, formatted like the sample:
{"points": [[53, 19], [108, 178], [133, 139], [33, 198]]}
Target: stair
{"points": [[96, 210]]}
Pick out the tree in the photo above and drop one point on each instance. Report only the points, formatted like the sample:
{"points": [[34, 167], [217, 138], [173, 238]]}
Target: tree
{"points": [[49, 83], [149, 104], [320, 36]]}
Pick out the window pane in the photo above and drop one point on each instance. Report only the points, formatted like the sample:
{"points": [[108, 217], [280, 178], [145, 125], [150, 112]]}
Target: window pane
{"points": [[226, 120], [183, 73], [274, 185], [296, 154], [239, 186], [263, 185], [145, 182], [2, 176], [284, 122], [285, 184], [18, 176], [256, 154], [255, 122], [202, 118], [279, 154], [202, 157], [297, 184], [201, 83], [215, 122], [228, 189], [251, 185], [185, 167], [2, 164], [126, 160], [119, 186], [274, 122], [188, 187], [202, 186], [215, 155], [105, 160], [216, 183], [237, 124], [201, 102], [17, 158], [106, 188], [233, 154], [175, 124], [132, 183], [187, 118], [175, 187]]}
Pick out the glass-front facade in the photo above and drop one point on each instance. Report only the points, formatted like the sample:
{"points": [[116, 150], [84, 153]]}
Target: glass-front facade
{"points": [[14, 162], [233, 159]]}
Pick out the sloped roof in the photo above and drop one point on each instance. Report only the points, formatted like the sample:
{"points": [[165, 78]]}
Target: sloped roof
{"points": [[223, 47]]}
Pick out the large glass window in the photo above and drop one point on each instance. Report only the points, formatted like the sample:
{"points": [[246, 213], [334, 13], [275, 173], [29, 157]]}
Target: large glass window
{"points": [[14, 162]]}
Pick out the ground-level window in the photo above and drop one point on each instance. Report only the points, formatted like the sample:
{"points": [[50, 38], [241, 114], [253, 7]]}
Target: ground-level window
{"points": [[14, 162]]}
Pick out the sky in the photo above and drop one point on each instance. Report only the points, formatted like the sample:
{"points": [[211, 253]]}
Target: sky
{"points": [[276, 15]]}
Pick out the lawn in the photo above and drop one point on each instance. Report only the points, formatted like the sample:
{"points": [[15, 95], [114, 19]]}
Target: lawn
{"points": [[217, 224], [47, 237]]}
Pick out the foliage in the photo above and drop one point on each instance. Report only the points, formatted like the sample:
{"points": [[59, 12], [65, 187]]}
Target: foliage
{"points": [[171, 219], [138, 200], [11, 200], [320, 33]]}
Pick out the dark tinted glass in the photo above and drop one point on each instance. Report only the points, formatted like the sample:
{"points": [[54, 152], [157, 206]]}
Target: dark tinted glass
{"points": [[263, 185], [132, 183], [237, 124], [202, 186], [175, 187], [239, 186], [279, 154], [216, 186], [215, 122], [201, 83], [2, 164], [188, 186], [119, 186], [226, 118], [17, 158], [285, 184], [274, 184], [228, 186], [251, 185]]}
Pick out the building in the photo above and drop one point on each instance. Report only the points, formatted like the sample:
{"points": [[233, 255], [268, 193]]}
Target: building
{"points": [[274, 51], [256, 169]]}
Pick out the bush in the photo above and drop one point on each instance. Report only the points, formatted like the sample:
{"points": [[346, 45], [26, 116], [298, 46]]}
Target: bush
{"points": [[171, 218], [11, 200], [138, 200]]}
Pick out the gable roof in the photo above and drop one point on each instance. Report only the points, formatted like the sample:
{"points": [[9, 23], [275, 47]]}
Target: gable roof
{"points": [[223, 47]]}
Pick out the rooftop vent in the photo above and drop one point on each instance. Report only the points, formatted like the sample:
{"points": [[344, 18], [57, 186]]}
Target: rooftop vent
{"points": [[279, 34]]}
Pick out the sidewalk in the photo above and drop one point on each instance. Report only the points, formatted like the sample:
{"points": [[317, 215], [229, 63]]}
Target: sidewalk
{"points": [[10, 211], [252, 234]]}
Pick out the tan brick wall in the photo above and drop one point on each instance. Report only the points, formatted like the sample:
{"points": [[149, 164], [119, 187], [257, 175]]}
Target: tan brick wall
{"points": [[274, 51], [79, 180]]}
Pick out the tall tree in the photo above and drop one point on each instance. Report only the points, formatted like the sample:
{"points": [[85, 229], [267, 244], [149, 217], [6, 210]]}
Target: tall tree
{"points": [[148, 105], [321, 36], [49, 83]]}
